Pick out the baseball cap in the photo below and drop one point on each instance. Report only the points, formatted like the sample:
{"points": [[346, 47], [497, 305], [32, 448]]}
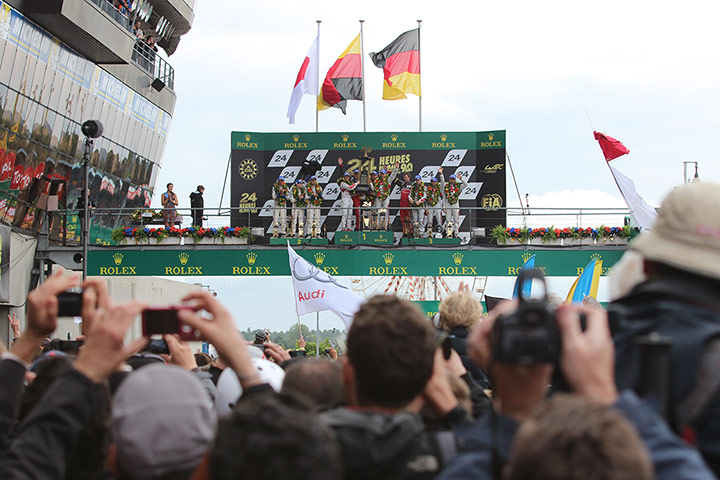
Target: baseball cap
{"points": [[383, 171], [686, 234], [313, 177], [162, 421], [433, 179], [230, 390], [281, 178], [374, 172], [418, 177], [356, 171], [453, 177], [346, 173]]}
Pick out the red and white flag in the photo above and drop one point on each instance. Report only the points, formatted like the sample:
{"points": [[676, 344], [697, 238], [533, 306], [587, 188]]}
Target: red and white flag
{"points": [[316, 291], [307, 80]]}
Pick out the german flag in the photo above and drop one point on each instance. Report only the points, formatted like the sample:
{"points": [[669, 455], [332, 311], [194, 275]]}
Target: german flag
{"points": [[400, 62], [344, 79]]}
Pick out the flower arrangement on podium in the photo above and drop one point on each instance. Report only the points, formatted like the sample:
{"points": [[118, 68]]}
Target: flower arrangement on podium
{"points": [[211, 235], [566, 236]]}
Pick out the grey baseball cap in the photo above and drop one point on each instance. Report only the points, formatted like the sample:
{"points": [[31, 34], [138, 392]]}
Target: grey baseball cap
{"points": [[163, 421]]}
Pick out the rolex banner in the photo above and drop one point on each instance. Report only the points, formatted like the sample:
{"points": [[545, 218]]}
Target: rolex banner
{"points": [[258, 159], [4, 264]]}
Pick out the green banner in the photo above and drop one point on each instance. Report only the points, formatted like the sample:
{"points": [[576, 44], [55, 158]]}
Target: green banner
{"points": [[379, 140], [377, 262]]}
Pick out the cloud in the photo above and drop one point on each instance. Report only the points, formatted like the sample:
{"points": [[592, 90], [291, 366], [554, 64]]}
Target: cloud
{"points": [[567, 208]]}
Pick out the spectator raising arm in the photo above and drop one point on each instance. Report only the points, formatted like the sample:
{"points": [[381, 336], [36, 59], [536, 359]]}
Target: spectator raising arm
{"points": [[45, 439], [220, 330]]}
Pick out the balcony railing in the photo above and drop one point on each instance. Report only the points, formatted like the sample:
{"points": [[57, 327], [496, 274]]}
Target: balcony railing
{"points": [[109, 8], [147, 59]]}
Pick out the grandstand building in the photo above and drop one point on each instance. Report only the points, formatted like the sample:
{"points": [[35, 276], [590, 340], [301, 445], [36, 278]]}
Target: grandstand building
{"points": [[63, 62]]}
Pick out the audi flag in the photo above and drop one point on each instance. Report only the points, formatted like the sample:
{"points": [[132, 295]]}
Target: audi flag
{"points": [[316, 291]]}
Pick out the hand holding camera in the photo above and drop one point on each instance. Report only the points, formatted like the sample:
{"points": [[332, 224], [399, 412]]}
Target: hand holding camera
{"points": [[588, 357], [521, 342], [220, 330]]}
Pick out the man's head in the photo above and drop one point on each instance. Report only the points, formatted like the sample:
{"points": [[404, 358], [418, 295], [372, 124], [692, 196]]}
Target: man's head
{"points": [[273, 436], [373, 174], [356, 173], [201, 189], [452, 178], [460, 309], [434, 181], [313, 180], [162, 422], [319, 379], [406, 177], [383, 173], [686, 234], [347, 175], [570, 437], [390, 352], [418, 179]]}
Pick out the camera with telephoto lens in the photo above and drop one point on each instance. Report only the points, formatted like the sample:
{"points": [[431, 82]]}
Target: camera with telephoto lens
{"points": [[529, 335]]}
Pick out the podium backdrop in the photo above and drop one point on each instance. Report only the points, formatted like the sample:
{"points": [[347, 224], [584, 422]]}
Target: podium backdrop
{"points": [[258, 159]]}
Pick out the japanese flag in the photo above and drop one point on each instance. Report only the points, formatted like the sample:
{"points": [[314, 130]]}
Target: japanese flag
{"points": [[306, 81]]}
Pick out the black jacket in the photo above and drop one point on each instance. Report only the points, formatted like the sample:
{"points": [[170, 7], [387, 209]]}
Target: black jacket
{"points": [[458, 339], [377, 446], [196, 200], [43, 442], [685, 308]]}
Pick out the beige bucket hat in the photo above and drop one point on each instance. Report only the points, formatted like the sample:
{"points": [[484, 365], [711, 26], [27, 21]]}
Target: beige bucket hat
{"points": [[686, 234]]}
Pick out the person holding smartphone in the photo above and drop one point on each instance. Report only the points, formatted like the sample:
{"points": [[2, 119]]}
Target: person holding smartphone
{"points": [[169, 201]]}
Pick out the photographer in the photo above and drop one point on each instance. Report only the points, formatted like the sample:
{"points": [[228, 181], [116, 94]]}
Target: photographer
{"points": [[680, 300], [44, 441], [520, 385], [458, 313]]}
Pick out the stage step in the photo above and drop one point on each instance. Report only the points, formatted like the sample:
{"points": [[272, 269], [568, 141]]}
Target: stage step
{"points": [[363, 238]]}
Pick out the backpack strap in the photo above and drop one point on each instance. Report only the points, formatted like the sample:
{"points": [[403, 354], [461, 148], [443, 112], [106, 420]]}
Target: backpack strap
{"points": [[707, 386]]}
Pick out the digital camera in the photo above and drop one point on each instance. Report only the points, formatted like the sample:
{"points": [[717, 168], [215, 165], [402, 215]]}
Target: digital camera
{"points": [[529, 335]]}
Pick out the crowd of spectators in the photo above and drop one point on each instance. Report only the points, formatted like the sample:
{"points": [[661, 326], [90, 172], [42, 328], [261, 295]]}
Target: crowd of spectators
{"points": [[407, 400]]}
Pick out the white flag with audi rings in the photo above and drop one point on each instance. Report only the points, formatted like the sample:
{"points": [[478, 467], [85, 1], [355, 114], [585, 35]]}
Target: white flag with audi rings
{"points": [[316, 291]]}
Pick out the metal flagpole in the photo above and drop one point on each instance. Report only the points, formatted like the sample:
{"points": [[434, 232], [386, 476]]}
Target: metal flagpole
{"points": [[317, 67], [512, 172], [362, 70], [222, 193], [419, 22], [317, 334]]}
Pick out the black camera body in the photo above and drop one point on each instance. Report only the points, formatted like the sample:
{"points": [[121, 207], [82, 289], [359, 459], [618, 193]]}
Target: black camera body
{"points": [[530, 334]]}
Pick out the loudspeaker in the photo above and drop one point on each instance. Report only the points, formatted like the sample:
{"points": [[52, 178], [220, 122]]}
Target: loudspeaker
{"points": [[158, 84]]}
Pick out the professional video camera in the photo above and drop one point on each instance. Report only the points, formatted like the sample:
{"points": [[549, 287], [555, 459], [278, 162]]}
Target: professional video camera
{"points": [[529, 335]]}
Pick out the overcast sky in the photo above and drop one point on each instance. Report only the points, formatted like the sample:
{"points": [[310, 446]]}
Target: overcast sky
{"points": [[646, 72]]}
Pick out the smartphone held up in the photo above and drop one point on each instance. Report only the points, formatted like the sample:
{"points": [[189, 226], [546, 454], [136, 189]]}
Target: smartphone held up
{"points": [[164, 320]]}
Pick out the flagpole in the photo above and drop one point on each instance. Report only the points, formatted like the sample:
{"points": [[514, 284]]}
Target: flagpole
{"points": [[362, 70], [317, 68], [419, 22], [317, 334]]}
